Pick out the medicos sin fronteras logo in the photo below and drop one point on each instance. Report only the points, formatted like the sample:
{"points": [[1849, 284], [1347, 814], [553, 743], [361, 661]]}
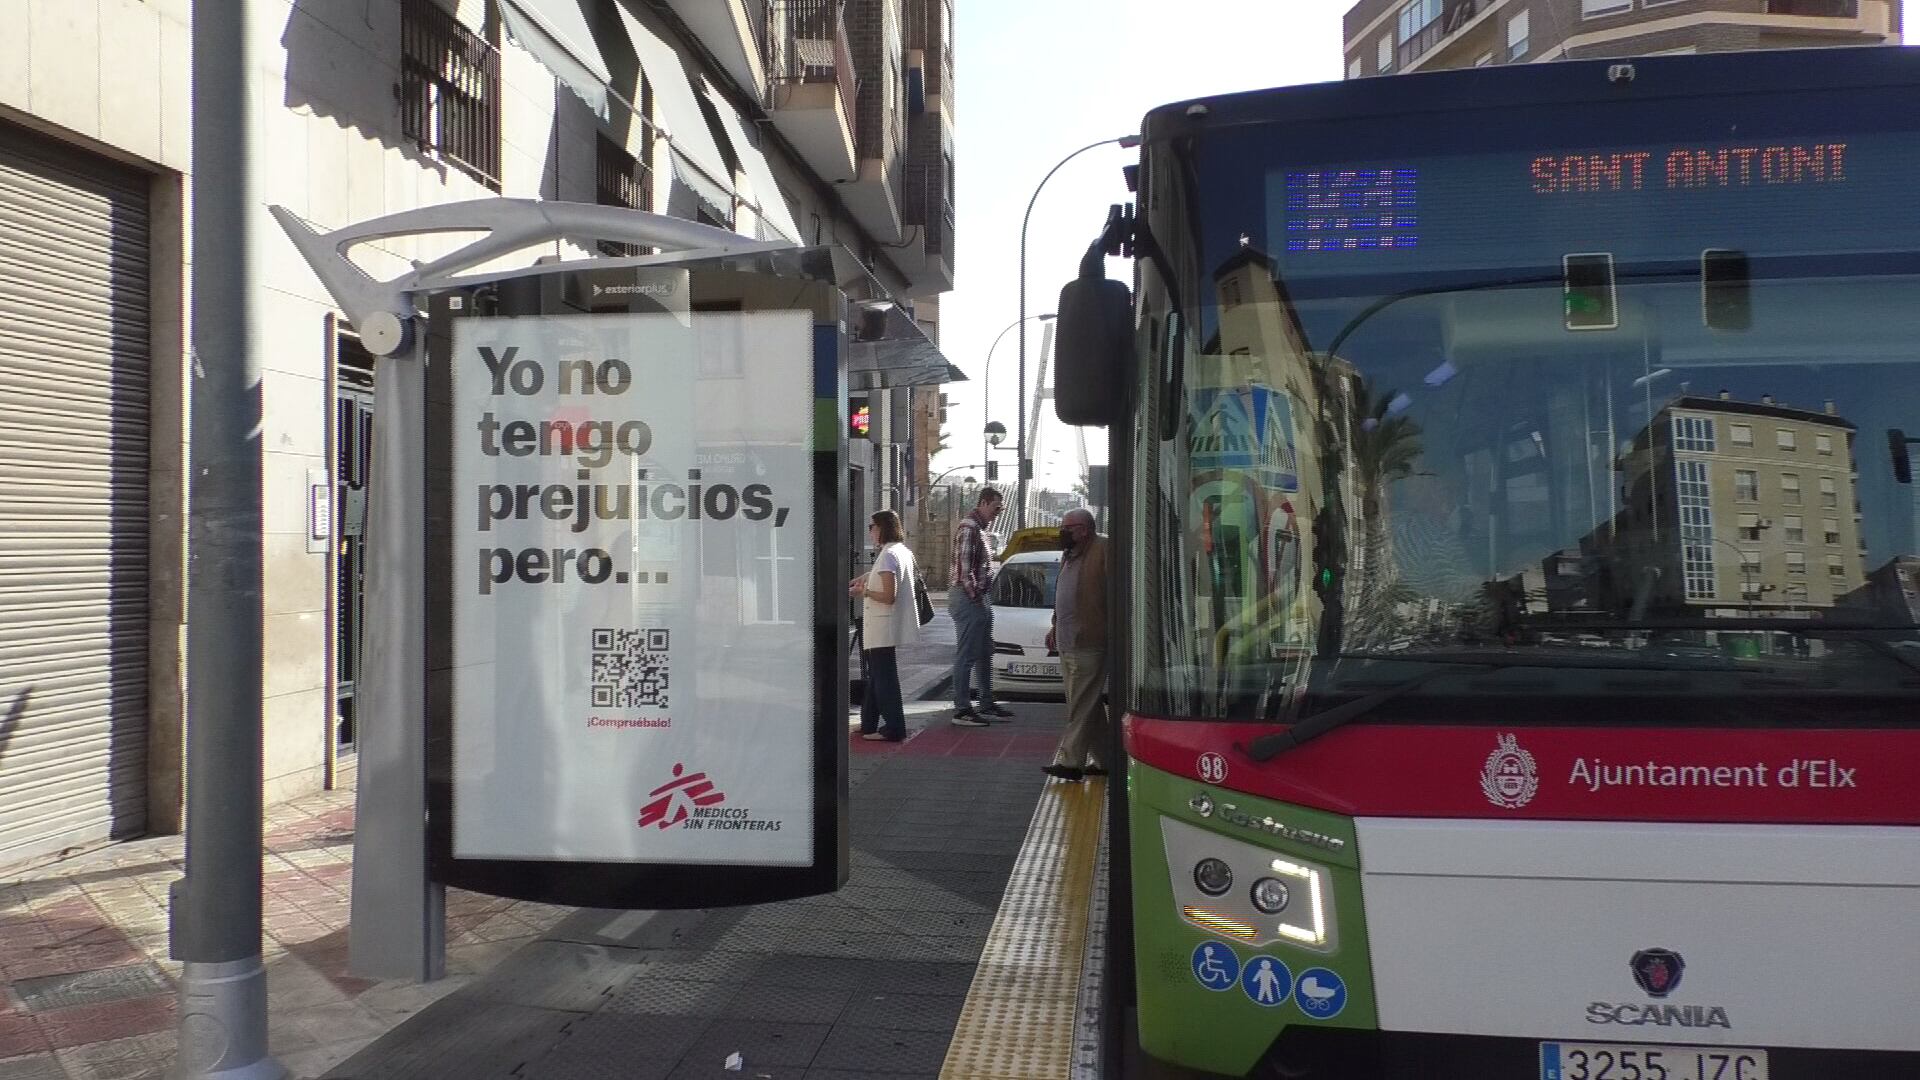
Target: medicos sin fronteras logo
{"points": [[679, 799], [694, 801], [1510, 778]]}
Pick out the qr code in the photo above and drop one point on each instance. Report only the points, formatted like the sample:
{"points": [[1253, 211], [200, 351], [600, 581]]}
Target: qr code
{"points": [[630, 669]]}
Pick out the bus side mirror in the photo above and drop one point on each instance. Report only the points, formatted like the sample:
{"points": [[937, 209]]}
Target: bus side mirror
{"points": [[1091, 345], [1897, 453]]}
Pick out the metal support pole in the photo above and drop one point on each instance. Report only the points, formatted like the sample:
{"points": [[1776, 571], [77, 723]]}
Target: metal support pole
{"points": [[216, 908]]}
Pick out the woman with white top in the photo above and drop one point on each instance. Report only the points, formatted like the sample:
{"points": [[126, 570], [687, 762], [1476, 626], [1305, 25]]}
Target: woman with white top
{"points": [[889, 618]]}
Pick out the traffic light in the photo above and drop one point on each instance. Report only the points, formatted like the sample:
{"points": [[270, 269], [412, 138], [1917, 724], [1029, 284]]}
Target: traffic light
{"points": [[1591, 303], [993, 471], [1329, 564], [1726, 298]]}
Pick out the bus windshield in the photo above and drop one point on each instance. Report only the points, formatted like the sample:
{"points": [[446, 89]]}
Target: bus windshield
{"points": [[1421, 397]]}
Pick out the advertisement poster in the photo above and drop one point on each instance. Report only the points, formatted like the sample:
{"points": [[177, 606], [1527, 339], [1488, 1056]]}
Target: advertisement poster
{"points": [[633, 606]]}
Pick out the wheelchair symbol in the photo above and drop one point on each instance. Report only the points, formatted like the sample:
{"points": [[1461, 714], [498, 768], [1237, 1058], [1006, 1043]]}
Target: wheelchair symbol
{"points": [[1215, 966]]}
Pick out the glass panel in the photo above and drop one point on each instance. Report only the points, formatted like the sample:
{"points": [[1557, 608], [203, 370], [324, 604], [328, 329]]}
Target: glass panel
{"points": [[1026, 585], [1408, 437]]}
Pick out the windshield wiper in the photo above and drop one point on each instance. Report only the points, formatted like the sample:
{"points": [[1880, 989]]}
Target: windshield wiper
{"points": [[1268, 747]]}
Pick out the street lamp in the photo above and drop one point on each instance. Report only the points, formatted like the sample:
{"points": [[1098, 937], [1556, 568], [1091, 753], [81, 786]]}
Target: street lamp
{"points": [[1126, 142], [986, 371], [996, 433]]}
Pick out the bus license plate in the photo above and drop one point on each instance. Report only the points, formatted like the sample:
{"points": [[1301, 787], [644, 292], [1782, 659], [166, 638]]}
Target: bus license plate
{"points": [[1030, 669], [1618, 1061]]}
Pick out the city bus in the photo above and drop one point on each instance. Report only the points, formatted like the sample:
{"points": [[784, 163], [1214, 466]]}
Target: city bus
{"points": [[1515, 571]]}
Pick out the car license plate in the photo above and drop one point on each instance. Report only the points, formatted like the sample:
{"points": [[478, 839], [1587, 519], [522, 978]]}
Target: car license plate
{"points": [[1030, 669], [1627, 1061]]}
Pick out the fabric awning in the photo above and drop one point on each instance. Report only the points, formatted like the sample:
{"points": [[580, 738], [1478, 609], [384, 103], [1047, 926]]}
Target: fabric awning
{"points": [[765, 192], [689, 183], [677, 110], [556, 33]]}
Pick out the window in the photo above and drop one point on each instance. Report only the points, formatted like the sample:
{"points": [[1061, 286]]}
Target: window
{"points": [[1784, 439], [1696, 528], [1746, 485], [1741, 434], [1829, 492], [620, 179], [1797, 563], [1415, 17], [1591, 8], [1790, 489], [1819, 9], [1836, 567], [1823, 445], [1795, 528], [1693, 433], [1830, 528], [1517, 36], [1749, 527], [1026, 584], [450, 91], [1354, 67], [1385, 54]]}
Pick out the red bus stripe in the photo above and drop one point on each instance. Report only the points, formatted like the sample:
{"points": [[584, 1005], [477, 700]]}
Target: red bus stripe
{"points": [[1771, 775]]}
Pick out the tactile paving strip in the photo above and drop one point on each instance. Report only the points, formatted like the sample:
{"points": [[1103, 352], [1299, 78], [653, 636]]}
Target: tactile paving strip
{"points": [[1020, 1017]]}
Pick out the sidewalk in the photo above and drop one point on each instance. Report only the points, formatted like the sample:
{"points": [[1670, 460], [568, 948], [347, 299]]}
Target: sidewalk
{"points": [[87, 991], [866, 983]]}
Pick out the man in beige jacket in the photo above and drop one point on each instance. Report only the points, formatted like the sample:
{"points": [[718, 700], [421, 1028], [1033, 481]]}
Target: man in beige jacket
{"points": [[1079, 634]]}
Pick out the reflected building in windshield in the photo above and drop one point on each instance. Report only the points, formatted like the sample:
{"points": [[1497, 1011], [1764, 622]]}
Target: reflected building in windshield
{"points": [[1261, 408], [1730, 508]]}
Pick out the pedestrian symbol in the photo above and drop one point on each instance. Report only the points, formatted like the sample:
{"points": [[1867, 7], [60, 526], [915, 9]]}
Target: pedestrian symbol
{"points": [[1320, 993], [1267, 981], [1215, 966]]}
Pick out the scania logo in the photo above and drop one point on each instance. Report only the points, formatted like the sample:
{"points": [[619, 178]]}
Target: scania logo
{"points": [[1658, 971]]}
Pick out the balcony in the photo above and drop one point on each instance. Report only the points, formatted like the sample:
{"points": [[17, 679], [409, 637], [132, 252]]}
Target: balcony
{"points": [[1453, 18], [810, 83], [874, 197]]}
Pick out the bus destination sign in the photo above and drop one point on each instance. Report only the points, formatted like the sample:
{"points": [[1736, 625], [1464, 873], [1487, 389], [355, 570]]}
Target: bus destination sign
{"points": [[1689, 168]]}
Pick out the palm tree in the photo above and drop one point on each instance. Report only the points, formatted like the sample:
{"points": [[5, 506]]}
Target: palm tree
{"points": [[1385, 449]]}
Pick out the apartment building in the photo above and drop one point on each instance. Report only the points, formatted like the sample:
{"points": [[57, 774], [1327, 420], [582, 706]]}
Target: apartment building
{"points": [[1744, 508], [1390, 37], [823, 122]]}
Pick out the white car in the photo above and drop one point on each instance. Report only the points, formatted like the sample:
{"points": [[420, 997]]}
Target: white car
{"points": [[1022, 615]]}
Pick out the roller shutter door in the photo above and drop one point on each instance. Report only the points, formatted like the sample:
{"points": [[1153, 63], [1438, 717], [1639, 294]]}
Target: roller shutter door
{"points": [[74, 361]]}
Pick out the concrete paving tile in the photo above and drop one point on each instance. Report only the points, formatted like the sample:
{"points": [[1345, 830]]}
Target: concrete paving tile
{"points": [[314, 1062], [20, 1034], [120, 1059], [65, 1028], [32, 1067], [323, 1025], [878, 1048]]}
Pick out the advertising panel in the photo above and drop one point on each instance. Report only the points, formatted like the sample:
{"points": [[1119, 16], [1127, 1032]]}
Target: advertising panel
{"points": [[630, 637]]}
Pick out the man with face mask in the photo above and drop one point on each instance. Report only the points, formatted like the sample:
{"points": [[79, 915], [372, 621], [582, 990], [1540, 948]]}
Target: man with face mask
{"points": [[1079, 634]]}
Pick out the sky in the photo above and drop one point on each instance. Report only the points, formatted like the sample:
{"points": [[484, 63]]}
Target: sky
{"points": [[1037, 80]]}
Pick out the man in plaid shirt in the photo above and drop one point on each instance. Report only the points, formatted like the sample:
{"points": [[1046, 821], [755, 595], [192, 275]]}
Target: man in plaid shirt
{"points": [[971, 605]]}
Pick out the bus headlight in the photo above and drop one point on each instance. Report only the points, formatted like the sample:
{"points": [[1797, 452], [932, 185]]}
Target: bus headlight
{"points": [[1270, 895], [1212, 876], [1248, 892]]}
